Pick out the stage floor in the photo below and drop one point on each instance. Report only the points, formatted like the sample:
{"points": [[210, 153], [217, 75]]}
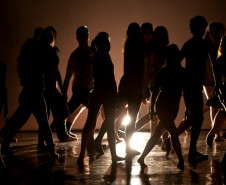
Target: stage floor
{"points": [[28, 167]]}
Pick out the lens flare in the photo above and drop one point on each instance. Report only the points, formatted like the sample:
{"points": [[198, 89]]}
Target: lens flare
{"points": [[126, 120]]}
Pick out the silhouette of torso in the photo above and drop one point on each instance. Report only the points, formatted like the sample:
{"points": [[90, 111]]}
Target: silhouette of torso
{"points": [[83, 69]]}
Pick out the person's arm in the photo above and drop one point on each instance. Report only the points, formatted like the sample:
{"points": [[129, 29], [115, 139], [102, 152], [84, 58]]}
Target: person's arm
{"points": [[147, 76], [69, 72], [155, 95]]}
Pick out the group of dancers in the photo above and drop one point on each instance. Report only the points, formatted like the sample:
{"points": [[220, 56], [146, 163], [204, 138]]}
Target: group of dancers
{"points": [[152, 71]]}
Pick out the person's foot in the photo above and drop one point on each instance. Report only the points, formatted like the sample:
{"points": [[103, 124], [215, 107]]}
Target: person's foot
{"points": [[72, 135], [197, 155], [80, 163], [142, 163], [180, 164], [117, 158], [209, 139], [167, 143], [98, 147], [66, 137], [223, 164], [117, 138], [131, 153]]}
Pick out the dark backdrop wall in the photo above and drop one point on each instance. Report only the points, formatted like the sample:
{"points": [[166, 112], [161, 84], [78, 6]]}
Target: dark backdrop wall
{"points": [[18, 19]]}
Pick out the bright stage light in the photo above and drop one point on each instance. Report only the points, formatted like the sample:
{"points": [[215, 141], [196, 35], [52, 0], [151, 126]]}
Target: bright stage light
{"points": [[126, 120]]}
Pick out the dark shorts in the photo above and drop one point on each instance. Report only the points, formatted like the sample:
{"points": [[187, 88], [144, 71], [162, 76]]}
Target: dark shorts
{"points": [[79, 96]]}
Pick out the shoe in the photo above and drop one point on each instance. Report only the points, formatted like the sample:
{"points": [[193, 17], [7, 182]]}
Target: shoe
{"points": [[141, 162], [72, 135], [209, 139], [117, 158], [80, 163], [66, 137], [180, 165], [197, 155]]}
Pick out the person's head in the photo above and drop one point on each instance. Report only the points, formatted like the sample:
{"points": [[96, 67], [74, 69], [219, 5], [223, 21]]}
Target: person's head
{"points": [[173, 55], [133, 31], [160, 36], [102, 42], [147, 31], [214, 33], [37, 33], [54, 32], [222, 47], [198, 26], [82, 34], [46, 37]]}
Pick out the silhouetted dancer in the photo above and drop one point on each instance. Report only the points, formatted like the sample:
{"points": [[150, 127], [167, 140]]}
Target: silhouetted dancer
{"points": [[220, 90], [131, 83], [195, 52], [55, 100], [104, 92], [213, 36], [79, 65], [165, 103], [31, 69]]}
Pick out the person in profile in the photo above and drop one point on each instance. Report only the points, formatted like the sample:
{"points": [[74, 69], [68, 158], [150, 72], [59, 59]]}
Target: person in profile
{"points": [[31, 70], [165, 102], [220, 89], [156, 57], [131, 83], [213, 37], [104, 93], [79, 65], [195, 52], [3, 90], [55, 100]]}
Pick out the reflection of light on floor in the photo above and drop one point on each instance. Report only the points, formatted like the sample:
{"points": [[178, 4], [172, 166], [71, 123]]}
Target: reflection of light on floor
{"points": [[137, 143], [126, 120]]}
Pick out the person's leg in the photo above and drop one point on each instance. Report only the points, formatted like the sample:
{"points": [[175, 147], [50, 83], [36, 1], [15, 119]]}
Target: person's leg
{"points": [[213, 111], [60, 112], [118, 123], [13, 125], [79, 99], [133, 109], [170, 126], [195, 117], [40, 114], [223, 163], [109, 124], [142, 121], [89, 127], [150, 144], [219, 121]]}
